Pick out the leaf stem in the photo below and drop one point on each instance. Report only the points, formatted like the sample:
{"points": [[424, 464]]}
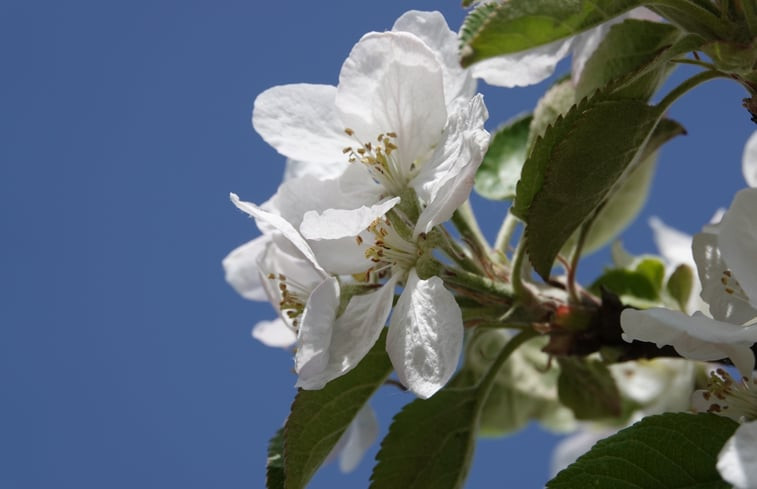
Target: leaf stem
{"points": [[488, 380], [521, 292], [465, 222], [687, 85], [505, 233]]}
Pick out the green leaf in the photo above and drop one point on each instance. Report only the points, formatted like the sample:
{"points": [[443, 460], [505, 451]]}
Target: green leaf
{"points": [[575, 166], [319, 417], [628, 48], [517, 25], [643, 282], [588, 388], [274, 473], [499, 172], [680, 285], [524, 389], [430, 443], [667, 451]]}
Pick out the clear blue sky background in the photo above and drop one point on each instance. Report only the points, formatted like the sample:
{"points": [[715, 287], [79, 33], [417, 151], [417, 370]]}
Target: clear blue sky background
{"points": [[125, 359]]}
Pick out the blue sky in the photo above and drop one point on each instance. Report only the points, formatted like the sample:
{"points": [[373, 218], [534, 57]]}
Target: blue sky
{"points": [[126, 360]]}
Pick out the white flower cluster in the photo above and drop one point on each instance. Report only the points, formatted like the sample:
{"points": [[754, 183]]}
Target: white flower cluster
{"points": [[375, 164], [725, 254]]}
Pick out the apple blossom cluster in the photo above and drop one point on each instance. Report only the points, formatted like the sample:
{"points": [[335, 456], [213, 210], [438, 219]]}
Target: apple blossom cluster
{"points": [[376, 165], [355, 244]]}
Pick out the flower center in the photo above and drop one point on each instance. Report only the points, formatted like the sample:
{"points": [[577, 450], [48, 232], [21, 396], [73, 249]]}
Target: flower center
{"points": [[391, 253], [726, 397], [381, 160], [292, 298]]}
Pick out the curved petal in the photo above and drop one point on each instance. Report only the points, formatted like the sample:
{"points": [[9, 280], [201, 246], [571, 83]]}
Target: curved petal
{"points": [[301, 122], [425, 336], [358, 438], [336, 346], [737, 461], [696, 337], [316, 332], [749, 161], [392, 82], [712, 269], [738, 241], [524, 68], [445, 181], [241, 269], [280, 224], [432, 29], [344, 256], [673, 245], [342, 223], [319, 170], [274, 333]]}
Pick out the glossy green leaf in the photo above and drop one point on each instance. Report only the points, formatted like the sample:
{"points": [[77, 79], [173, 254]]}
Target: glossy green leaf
{"points": [[574, 167], [517, 25], [668, 451], [588, 388], [320, 417], [643, 282], [629, 48], [274, 468], [499, 172]]}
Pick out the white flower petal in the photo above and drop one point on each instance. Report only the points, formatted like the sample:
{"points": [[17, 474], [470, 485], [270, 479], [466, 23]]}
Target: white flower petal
{"points": [[584, 46], [342, 223], [334, 347], [241, 268], [343, 256], [316, 332], [524, 68], [279, 223], [319, 170], [445, 182], [695, 337], [392, 82], [274, 333], [358, 438], [673, 245], [711, 269], [738, 241], [749, 161], [300, 121], [432, 29], [425, 336], [737, 461]]}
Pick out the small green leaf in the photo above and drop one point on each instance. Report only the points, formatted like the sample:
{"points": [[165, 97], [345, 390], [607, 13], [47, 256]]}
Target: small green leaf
{"points": [[588, 388], [430, 443], [499, 172], [574, 167], [517, 25], [628, 48], [319, 417], [680, 285], [643, 282], [274, 473], [668, 451]]}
